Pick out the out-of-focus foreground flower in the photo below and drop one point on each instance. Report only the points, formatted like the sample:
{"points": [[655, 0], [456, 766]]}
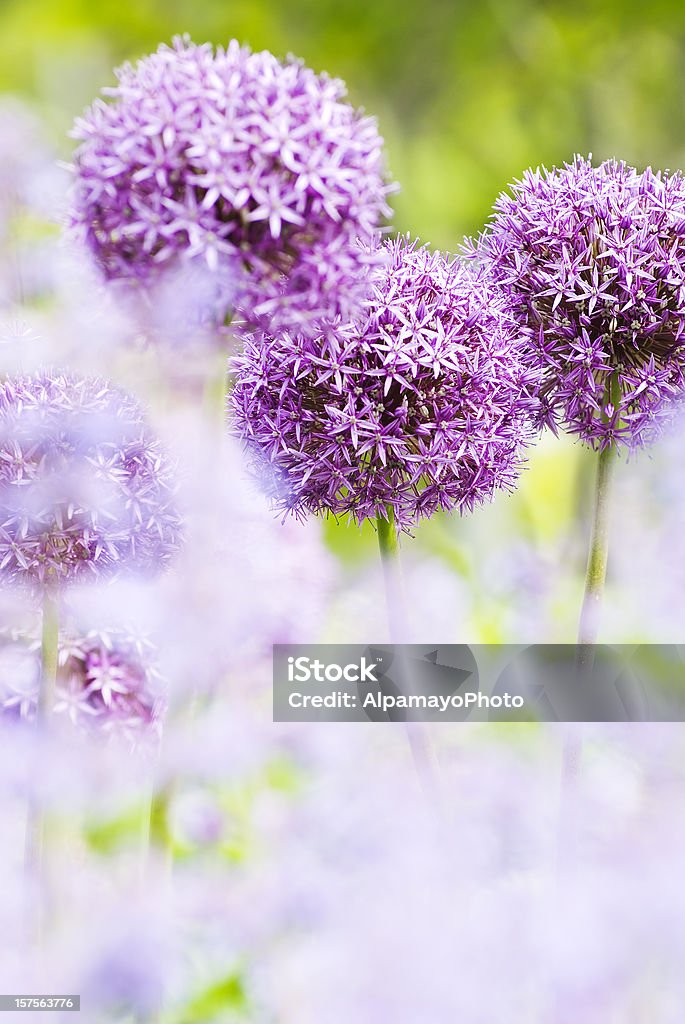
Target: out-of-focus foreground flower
{"points": [[85, 487], [408, 913], [647, 604], [362, 889], [243, 581], [106, 683], [32, 199]]}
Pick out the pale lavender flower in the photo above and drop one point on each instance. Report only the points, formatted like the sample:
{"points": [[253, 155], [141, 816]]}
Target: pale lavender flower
{"points": [[259, 169], [242, 582], [32, 193], [85, 487], [441, 602], [29, 176], [650, 502], [365, 888], [419, 405], [19, 674], [368, 875], [119, 944], [107, 682], [593, 258]]}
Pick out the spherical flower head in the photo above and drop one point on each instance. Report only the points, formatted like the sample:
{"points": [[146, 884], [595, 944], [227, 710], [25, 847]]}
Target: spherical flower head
{"points": [[593, 258], [419, 405], [259, 169], [107, 683], [86, 490]]}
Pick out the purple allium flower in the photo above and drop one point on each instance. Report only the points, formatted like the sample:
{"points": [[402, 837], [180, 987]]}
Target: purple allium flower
{"points": [[106, 682], [419, 405], [258, 168], [85, 488], [594, 260]]}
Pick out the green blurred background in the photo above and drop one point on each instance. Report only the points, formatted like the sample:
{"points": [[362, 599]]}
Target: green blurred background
{"points": [[468, 95]]}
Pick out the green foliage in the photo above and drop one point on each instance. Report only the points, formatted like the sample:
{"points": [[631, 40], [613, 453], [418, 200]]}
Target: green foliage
{"points": [[107, 835], [468, 94], [223, 1000]]}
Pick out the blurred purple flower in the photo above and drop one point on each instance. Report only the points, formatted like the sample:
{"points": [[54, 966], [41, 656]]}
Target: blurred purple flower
{"points": [[594, 261], [85, 488], [367, 876], [125, 976], [106, 682], [419, 406], [257, 168], [242, 582], [19, 674], [649, 510], [32, 197]]}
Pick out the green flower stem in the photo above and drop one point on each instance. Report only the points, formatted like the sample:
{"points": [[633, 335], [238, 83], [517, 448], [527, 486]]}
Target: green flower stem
{"points": [[588, 629], [36, 838], [216, 389], [392, 574], [159, 836], [597, 561], [398, 628], [49, 656]]}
